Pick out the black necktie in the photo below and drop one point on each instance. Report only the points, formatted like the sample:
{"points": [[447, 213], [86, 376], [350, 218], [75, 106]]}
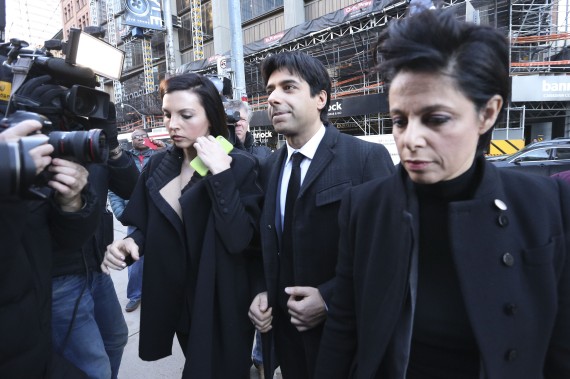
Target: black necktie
{"points": [[286, 256], [292, 192]]}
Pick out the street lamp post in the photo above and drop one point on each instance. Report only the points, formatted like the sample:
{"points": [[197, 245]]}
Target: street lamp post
{"points": [[143, 118]]}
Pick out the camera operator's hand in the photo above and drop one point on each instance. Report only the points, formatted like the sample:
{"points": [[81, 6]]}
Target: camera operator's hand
{"points": [[116, 254], [21, 129], [68, 180], [40, 154]]}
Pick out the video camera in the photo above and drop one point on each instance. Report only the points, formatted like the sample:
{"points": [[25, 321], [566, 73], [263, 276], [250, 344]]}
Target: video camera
{"points": [[61, 95], [232, 118]]}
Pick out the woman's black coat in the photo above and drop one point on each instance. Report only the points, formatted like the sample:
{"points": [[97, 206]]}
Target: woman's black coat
{"points": [[513, 268], [196, 278]]}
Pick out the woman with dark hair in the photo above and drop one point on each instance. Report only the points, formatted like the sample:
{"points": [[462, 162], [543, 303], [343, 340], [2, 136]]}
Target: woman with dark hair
{"points": [[451, 268], [192, 231]]}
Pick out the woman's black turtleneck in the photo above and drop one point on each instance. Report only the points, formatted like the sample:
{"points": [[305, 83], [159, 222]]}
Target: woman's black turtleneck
{"points": [[443, 345]]}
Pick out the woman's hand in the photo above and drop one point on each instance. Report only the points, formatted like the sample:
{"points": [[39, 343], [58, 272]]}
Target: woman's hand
{"points": [[212, 154], [116, 254]]}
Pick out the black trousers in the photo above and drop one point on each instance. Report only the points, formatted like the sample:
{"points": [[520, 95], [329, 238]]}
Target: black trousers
{"points": [[295, 353]]}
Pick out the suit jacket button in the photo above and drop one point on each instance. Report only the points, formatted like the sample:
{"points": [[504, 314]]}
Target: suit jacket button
{"points": [[511, 355], [222, 201], [508, 260], [511, 309], [269, 227], [500, 204], [503, 220]]}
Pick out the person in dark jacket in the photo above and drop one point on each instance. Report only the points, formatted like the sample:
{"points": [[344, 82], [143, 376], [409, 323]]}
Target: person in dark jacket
{"points": [[299, 239], [140, 154], [30, 229], [452, 268], [244, 138], [87, 320], [192, 231], [245, 141]]}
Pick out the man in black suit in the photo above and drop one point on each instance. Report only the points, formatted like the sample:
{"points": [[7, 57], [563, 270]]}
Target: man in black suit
{"points": [[299, 235]]}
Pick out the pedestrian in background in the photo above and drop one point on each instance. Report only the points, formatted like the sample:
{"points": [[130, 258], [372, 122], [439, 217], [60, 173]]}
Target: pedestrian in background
{"points": [[244, 138], [303, 183], [245, 141], [563, 175], [193, 231], [88, 327], [140, 154], [452, 268]]}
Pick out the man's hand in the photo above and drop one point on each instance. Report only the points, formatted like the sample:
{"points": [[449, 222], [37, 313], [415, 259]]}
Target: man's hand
{"points": [[259, 313], [116, 254], [306, 307], [68, 180]]}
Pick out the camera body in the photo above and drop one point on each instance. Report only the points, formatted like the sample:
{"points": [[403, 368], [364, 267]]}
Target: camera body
{"points": [[34, 85], [232, 118]]}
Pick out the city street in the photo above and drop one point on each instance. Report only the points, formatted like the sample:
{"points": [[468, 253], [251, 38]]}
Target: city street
{"points": [[132, 367]]}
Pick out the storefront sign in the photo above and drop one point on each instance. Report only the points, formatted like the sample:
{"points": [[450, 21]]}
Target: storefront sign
{"points": [[541, 88], [342, 107]]}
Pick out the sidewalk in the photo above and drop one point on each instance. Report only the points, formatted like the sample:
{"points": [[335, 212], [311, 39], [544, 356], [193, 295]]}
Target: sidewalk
{"points": [[132, 367]]}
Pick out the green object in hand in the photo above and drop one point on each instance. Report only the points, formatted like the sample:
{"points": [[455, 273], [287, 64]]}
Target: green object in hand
{"points": [[197, 163]]}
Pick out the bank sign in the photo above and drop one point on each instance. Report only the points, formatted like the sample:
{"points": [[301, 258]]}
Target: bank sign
{"points": [[541, 88]]}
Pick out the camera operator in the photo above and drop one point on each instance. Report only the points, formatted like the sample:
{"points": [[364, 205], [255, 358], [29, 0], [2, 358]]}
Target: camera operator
{"points": [[30, 230], [88, 324], [243, 138]]}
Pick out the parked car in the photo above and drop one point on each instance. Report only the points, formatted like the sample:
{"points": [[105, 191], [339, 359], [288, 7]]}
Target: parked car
{"points": [[542, 158]]}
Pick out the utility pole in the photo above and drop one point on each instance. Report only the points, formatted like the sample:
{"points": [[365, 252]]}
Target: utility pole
{"points": [[237, 50], [170, 59]]}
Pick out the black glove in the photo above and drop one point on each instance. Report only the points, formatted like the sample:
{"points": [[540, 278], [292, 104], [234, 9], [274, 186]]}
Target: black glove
{"points": [[109, 126], [42, 96]]}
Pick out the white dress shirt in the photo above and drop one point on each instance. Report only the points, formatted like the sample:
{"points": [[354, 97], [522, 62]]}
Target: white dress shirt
{"points": [[308, 150]]}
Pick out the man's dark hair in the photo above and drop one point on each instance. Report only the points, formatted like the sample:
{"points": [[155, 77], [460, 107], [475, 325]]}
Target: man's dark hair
{"points": [[207, 94], [304, 66], [433, 41]]}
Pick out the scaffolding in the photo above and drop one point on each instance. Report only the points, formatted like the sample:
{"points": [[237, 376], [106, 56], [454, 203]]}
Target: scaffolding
{"points": [[112, 38], [197, 33], [539, 35]]}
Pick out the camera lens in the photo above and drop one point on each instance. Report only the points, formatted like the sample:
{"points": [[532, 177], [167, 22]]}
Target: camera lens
{"points": [[85, 146], [84, 105]]}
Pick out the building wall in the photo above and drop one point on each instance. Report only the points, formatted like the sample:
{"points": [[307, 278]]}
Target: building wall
{"points": [[263, 28], [75, 14], [318, 8]]}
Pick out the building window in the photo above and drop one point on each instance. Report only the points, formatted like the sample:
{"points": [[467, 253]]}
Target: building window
{"points": [[254, 8], [182, 5], [185, 32]]}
